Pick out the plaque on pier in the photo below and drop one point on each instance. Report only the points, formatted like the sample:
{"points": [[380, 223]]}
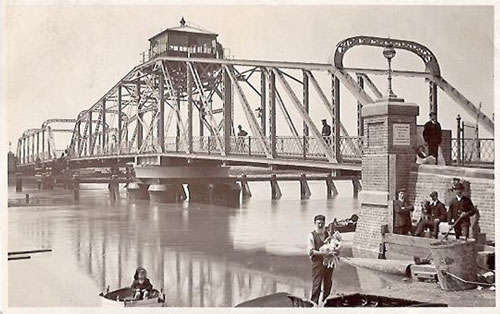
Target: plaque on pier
{"points": [[401, 134]]}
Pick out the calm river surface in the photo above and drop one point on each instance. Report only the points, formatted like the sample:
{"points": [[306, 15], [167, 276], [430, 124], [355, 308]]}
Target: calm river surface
{"points": [[201, 255]]}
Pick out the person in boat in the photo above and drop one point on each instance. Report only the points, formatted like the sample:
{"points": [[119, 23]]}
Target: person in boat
{"points": [[461, 207], [321, 274], [434, 214], [141, 285], [402, 214]]}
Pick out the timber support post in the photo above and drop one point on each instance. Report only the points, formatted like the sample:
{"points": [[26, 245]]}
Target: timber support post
{"points": [[19, 182], [331, 189], [356, 187], [275, 188], [245, 188], [76, 189], [305, 192]]}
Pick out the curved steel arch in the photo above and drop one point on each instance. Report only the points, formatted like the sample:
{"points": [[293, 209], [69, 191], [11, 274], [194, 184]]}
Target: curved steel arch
{"points": [[59, 120], [430, 60]]}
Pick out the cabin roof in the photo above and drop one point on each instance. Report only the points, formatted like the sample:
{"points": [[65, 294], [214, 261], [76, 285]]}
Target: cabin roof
{"points": [[185, 29]]}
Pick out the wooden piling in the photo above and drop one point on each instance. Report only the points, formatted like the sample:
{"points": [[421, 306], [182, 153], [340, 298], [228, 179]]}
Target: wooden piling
{"points": [[305, 192], [19, 182], [76, 189], [114, 188], [356, 187], [27, 198], [245, 188], [275, 188], [331, 189]]}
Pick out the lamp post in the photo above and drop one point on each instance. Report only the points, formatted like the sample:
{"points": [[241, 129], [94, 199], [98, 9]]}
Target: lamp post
{"points": [[389, 53]]}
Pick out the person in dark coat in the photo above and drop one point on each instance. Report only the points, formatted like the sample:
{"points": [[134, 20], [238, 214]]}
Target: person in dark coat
{"points": [[402, 214], [327, 129], [141, 285], [432, 135], [434, 214], [461, 207], [321, 274]]}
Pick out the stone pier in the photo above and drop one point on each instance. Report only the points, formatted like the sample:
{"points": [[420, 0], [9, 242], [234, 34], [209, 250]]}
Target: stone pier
{"points": [[137, 191], [390, 128], [205, 184]]}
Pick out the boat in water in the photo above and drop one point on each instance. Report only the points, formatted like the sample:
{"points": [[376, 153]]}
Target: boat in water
{"points": [[283, 299], [124, 297], [343, 225]]}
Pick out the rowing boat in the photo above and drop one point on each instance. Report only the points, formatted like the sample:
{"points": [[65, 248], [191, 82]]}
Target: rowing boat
{"points": [[124, 297]]}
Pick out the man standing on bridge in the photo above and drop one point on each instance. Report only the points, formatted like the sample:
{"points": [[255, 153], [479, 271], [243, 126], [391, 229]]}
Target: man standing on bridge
{"points": [[432, 135], [326, 131], [320, 272]]}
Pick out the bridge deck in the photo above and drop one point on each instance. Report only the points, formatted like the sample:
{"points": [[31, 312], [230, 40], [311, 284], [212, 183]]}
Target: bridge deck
{"points": [[234, 159]]}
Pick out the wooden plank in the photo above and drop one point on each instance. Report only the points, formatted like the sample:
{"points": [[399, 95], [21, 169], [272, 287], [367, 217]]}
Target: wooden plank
{"points": [[407, 240], [406, 250]]}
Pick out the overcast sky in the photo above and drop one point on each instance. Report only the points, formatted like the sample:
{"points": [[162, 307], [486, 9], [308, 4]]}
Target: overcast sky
{"points": [[61, 59]]}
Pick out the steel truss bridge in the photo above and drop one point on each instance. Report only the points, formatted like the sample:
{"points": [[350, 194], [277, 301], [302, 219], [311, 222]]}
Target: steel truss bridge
{"points": [[155, 109]]}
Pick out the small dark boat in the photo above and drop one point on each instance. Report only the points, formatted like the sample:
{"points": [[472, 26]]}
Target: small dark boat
{"points": [[283, 299], [368, 300], [344, 225], [124, 297]]}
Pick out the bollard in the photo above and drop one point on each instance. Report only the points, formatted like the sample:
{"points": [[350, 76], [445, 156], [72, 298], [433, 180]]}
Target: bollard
{"points": [[19, 182], [27, 198], [76, 189], [305, 192], [275, 188]]}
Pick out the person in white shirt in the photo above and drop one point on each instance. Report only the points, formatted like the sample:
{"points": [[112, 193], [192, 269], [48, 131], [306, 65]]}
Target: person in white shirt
{"points": [[321, 274]]}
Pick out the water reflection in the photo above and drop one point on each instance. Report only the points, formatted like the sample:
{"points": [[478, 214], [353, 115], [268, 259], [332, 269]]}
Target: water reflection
{"points": [[201, 255]]}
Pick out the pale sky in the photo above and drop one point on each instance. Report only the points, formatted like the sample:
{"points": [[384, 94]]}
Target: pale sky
{"points": [[61, 59]]}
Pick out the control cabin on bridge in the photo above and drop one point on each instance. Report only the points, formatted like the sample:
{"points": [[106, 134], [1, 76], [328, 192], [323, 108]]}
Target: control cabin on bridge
{"points": [[185, 41]]}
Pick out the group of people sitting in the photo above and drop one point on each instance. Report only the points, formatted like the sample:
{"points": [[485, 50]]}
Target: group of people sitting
{"points": [[458, 216]]}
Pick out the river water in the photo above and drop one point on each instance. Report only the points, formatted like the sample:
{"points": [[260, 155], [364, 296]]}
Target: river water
{"points": [[201, 255]]}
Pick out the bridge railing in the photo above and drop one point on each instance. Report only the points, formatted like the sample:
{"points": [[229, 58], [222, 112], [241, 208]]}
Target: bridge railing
{"points": [[290, 147], [468, 151]]}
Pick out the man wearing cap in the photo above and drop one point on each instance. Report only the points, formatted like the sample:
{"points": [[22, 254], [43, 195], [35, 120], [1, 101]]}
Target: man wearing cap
{"points": [[432, 135], [402, 214], [460, 211], [434, 214], [321, 274]]}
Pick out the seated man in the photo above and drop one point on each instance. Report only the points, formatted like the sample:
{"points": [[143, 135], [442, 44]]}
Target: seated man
{"points": [[402, 214], [460, 211], [434, 214]]}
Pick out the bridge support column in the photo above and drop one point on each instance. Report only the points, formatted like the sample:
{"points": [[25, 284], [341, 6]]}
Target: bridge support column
{"points": [[245, 188], [76, 189], [275, 188], [166, 193], [200, 192], [356, 187], [19, 182], [226, 194], [331, 189], [137, 191], [390, 129], [114, 188], [305, 192]]}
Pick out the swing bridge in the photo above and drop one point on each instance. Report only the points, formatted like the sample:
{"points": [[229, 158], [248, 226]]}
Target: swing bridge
{"points": [[151, 115]]}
